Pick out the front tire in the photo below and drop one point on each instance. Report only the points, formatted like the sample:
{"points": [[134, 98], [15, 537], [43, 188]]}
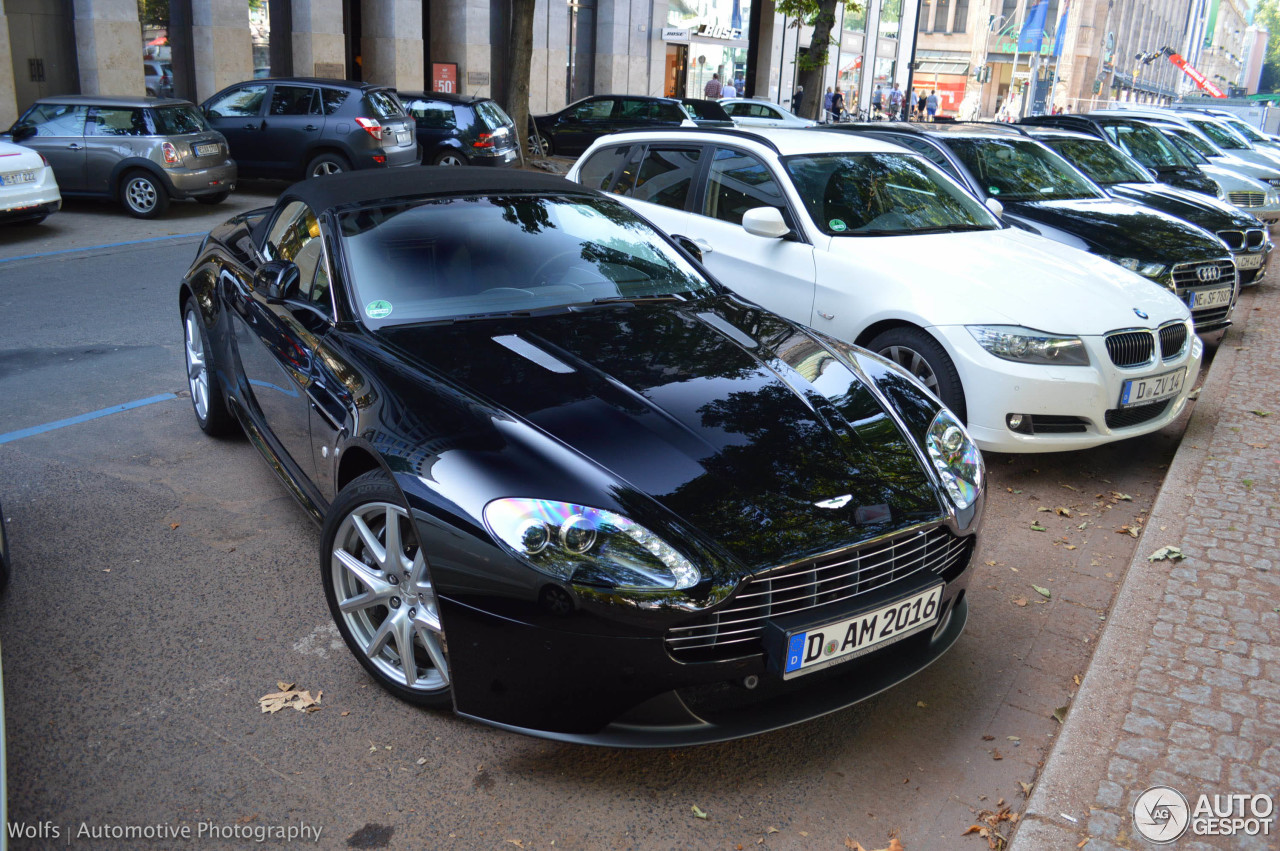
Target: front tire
{"points": [[380, 592], [324, 165], [921, 355], [207, 401], [547, 150], [143, 195]]}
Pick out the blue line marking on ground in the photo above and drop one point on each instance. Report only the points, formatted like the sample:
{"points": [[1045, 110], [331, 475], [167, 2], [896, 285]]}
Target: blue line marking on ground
{"points": [[82, 418], [94, 247]]}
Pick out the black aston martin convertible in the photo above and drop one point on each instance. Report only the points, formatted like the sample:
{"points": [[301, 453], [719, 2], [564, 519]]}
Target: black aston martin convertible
{"points": [[569, 485]]}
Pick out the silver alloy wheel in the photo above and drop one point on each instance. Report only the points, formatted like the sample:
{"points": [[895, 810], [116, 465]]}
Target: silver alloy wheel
{"points": [[197, 378], [534, 141], [388, 604], [325, 167], [914, 363], [450, 159], [141, 193]]}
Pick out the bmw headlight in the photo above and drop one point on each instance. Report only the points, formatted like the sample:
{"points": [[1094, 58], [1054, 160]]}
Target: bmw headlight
{"points": [[1025, 345], [588, 546], [1146, 270], [956, 458]]}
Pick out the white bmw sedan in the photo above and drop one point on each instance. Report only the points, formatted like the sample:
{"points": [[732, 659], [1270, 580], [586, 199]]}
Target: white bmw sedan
{"points": [[28, 190], [1038, 346]]}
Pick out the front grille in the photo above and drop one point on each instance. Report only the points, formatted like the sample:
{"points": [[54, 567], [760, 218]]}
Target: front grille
{"points": [[1233, 238], [1131, 348], [1053, 424], [1137, 415], [1247, 199], [1173, 338], [1188, 274], [735, 629], [1254, 237]]}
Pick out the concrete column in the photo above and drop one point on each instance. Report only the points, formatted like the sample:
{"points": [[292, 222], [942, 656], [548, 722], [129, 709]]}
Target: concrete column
{"points": [[8, 97], [220, 44], [459, 33], [391, 43], [109, 47], [317, 40]]}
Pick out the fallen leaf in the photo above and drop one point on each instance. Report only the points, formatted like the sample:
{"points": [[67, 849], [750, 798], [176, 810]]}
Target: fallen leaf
{"points": [[803, 833], [1123, 497], [1036, 527], [1072, 546], [1020, 601], [1026, 788], [988, 738], [1068, 487], [995, 754], [284, 686], [991, 564], [698, 813], [1043, 592], [770, 830], [1261, 413], [1065, 512], [1042, 508], [345, 714], [1060, 714], [173, 526], [1131, 531], [853, 846], [1014, 738], [1259, 445], [921, 704], [1076, 679], [516, 842], [1085, 841], [422, 760], [289, 696], [1166, 554]]}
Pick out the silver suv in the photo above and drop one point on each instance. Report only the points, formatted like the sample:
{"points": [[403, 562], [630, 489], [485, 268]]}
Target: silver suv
{"points": [[141, 152]]}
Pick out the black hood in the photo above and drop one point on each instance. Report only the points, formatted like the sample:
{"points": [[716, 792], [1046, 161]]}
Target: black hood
{"points": [[1196, 207], [1124, 229], [733, 420]]}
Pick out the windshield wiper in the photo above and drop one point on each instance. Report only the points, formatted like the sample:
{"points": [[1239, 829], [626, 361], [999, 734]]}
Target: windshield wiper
{"points": [[956, 228]]}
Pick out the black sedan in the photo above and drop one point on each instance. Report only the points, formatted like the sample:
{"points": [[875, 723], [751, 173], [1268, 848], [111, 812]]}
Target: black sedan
{"points": [[571, 131], [1033, 188], [1121, 176], [642, 511]]}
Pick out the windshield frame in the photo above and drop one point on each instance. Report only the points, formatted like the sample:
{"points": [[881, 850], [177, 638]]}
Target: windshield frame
{"points": [[354, 295], [981, 217]]}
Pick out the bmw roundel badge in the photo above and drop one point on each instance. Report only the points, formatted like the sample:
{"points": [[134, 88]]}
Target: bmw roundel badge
{"points": [[1141, 315]]}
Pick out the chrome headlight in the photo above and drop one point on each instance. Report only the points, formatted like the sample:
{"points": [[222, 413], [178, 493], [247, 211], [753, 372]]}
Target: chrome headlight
{"points": [[1272, 197], [589, 546], [956, 458], [1024, 345], [1146, 270]]}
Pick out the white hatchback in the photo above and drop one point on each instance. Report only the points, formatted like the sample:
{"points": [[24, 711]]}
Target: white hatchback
{"points": [[754, 112], [28, 190], [1039, 346]]}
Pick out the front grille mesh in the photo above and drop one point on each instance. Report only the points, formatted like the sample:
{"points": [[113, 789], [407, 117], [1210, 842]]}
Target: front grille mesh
{"points": [[1246, 199], [1254, 237], [735, 629], [1137, 415], [1233, 238], [1187, 275], [1172, 340], [1131, 348]]}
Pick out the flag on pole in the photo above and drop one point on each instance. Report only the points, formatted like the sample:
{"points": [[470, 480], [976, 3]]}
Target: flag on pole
{"points": [[1062, 29], [1032, 36]]}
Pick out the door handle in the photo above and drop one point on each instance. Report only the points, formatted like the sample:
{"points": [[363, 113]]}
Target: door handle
{"points": [[75, 147], [311, 127], [249, 127]]}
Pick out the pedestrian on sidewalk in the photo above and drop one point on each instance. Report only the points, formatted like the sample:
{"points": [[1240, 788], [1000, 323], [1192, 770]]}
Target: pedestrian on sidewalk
{"points": [[713, 88], [728, 91], [797, 99], [931, 105], [837, 105], [826, 105]]}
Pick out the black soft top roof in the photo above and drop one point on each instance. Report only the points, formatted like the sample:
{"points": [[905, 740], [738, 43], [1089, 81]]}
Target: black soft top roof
{"points": [[372, 187]]}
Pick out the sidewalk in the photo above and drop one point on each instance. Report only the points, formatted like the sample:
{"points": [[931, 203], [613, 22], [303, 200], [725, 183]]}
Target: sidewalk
{"points": [[1184, 687]]}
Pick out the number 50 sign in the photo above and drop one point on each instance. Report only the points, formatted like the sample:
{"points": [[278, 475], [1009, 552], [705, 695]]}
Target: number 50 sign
{"points": [[444, 77]]}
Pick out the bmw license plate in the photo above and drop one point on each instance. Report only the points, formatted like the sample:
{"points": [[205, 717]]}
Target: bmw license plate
{"points": [[1201, 299], [1140, 391], [18, 177], [820, 647], [207, 150], [1248, 261]]}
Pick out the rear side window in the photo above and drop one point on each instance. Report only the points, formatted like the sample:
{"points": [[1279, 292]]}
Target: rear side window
{"points": [[493, 115], [597, 172], [295, 100], [930, 152], [333, 99], [244, 101], [665, 176], [56, 119], [383, 104], [650, 110], [739, 182], [109, 121], [432, 114], [593, 110], [177, 120]]}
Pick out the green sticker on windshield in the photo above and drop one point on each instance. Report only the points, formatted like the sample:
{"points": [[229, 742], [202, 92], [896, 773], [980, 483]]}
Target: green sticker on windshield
{"points": [[993, 190], [837, 225], [378, 309]]}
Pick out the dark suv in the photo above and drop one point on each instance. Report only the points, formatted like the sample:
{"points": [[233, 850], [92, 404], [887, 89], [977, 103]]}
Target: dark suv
{"points": [[300, 126], [572, 130], [462, 129]]}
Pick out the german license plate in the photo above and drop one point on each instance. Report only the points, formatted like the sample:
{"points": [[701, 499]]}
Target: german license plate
{"points": [[1248, 261], [207, 150], [18, 177], [402, 138], [823, 646], [509, 155], [1140, 391], [1201, 299]]}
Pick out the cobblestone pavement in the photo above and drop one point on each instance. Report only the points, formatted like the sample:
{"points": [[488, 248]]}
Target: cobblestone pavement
{"points": [[1184, 688]]}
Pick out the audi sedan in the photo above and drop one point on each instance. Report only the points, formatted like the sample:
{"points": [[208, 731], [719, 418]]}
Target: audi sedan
{"points": [[568, 484]]}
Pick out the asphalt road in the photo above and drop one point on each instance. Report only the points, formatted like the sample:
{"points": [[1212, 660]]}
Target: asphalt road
{"points": [[165, 581]]}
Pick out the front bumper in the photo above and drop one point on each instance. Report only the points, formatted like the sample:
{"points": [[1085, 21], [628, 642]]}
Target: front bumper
{"points": [[1079, 406], [193, 182]]}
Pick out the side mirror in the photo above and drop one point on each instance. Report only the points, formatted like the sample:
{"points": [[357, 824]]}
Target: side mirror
{"points": [[766, 222], [22, 131], [278, 279], [688, 245], [996, 207]]}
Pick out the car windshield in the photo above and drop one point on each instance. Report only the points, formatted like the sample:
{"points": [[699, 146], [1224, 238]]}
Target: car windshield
{"points": [[1243, 129], [177, 120], [1195, 141], [881, 194], [1224, 138], [1102, 163], [383, 104], [1146, 145], [1183, 142], [1021, 170], [474, 257]]}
